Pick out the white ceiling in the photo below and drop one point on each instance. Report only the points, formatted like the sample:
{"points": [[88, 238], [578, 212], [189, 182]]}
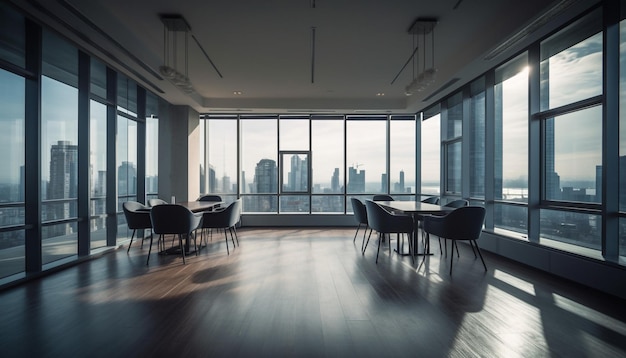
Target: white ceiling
{"points": [[264, 48]]}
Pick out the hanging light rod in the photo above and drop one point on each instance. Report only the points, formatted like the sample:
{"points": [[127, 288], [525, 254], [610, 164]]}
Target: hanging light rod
{"points": [[422, 26]]}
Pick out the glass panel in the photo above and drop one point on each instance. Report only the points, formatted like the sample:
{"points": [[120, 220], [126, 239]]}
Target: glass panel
{"points": [[402, 156], [126, 95], [295, 169], [453, 171], [367, 153], [327, 156], [571, 66], [222, 156], [126, 160], [12, 36], [511, 217], [13, 252], [152, 144], [295, 204], [59, 146], [477, 139], [431, 155], [59, 241], [573, 228], [98, 78], [573, 145], [622, 237], [98, 172], [511, 134], [455, 116], [12, 100], [260, 204], [259, 155], [327, 204], [294, 134]]}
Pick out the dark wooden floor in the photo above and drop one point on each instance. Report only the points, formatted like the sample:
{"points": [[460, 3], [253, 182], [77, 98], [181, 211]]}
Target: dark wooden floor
{"points": [[306, 293]]}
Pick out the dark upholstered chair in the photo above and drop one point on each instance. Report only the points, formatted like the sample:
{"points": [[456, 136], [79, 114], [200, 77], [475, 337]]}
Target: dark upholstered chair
{"points": [[172, 219], [464, 223], [453, 204], [226, 219], [382, 197], [155, 202], [360, 215], [138, 218], [386, 223]]}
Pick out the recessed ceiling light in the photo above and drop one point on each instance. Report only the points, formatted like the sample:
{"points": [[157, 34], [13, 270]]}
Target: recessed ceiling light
{"points": [[380, 94], [237, 93]]}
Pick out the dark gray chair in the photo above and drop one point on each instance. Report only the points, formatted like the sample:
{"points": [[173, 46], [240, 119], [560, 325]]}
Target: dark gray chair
{"points": [[386, 223], [464, 223], [155, 202], [138, 218], [382, 197], [360, 215], [172, 219], [226, 219], [459, 203]]}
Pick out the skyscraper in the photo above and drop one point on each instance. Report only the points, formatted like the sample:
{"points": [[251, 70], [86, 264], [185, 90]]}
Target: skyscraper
{"points": [[334, 181], [63, 185], [356, 180]]}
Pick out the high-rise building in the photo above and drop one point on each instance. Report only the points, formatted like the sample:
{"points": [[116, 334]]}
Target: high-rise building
{"points": [[334, 181], [297, 179], [63, 184], [356, 180], [127, 179]]}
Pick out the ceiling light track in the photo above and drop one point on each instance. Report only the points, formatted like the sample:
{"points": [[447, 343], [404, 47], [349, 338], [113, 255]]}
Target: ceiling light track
{"points": [[313, 54]]}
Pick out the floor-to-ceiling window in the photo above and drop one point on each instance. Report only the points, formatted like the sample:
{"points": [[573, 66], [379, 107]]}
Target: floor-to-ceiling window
{"points": [[452, 144], [126, 148], [12, 174], [477, 140], [402, 145], [259, 164], [221, 158], [431, 153], [152, 146], [294, 164], [366, 155], [59, 147], [327, 164], [510, 186], [98, 155], [571, 86]]}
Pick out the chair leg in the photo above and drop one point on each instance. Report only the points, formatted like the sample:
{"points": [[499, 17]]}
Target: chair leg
{"points": [[149, 250], [131, 241], [479, 254], [357, 231], [236, 236], [182, 248], [363, 248], [457, 248], [380, 239], [232, 238], [226, 237], [451, 256]]}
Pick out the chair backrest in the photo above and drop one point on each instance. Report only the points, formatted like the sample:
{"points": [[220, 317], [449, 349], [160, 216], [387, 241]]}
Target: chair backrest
{"points": [[234, 212], [135, 218], [360, 213], [383, 221], [464, 223], [457, 203], [155, 202], [431, 200], [210, 197], [223, 218], [382, 197], [173, 219]]}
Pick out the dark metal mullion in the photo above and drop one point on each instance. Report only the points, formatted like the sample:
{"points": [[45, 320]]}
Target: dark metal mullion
{"points": [[84, 146], [490, 148], [32, 150], [141, 144], [536, 147], [610, 132], [111, 184], [388, 155]]}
